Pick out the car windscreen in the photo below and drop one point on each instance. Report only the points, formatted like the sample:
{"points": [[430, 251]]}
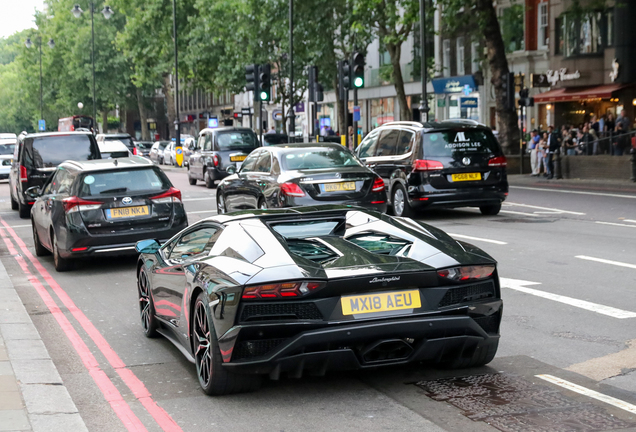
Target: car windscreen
{"points": [[317, 158], [236, 140], [458, 143], [128, 141], [122, 181], [6, 149], [144, 145], [50, 151]]}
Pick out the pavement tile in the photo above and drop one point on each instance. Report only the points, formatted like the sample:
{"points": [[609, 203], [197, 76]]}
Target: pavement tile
{"points": [[36, 372], [14, 316], [3, 354], [10, 401], [27, 350], [5, 367], [8, 384], [57, 423], [13, 420], [19, 331], [47, 399]]}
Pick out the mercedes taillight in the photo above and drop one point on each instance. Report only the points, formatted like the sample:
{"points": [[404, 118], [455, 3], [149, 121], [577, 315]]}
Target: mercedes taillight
{"points": [[291, 189]]}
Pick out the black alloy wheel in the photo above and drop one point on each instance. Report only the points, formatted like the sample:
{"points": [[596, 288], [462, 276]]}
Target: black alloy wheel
{"points": [[209, 181], [149, 323], [400, 202], [191, 180], [490, 210], [213, 377], [24, 210], [61, 264], [221, 207], [39, 249]]}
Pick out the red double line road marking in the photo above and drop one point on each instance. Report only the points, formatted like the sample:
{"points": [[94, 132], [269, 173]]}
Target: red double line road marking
{"points": [[137, 387]]}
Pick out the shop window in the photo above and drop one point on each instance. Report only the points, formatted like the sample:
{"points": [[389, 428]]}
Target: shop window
{"points": [[446, 58], [460, 56], [542, 27], [475, 58]]}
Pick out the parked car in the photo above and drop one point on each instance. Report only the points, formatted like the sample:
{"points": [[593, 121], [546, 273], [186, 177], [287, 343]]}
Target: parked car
{"points": [[216, 150], [7, 147], [293, 175], [123, 137], [113, 149], [275, 138], [169, 155], [188, 148], [156, 152], [36, 157], [312, 289], [455, 163], [102, 208], [143, 148]]}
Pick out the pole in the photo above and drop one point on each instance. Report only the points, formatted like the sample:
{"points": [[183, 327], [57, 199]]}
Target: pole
{"points": [[424, 102], [292, 118], [176, 74], [521, 141], [93, 63], [41, 103], [260, 121], [346, 117]]}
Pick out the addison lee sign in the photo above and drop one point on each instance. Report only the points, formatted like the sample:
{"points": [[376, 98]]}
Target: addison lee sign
{"points": [[554, 76]]}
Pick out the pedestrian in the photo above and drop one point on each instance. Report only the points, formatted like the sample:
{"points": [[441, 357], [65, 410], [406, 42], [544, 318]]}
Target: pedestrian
{"points": [[271, 131], [618, 143], [532, 149], [350, 143], [570, 143], [542, 153], [554, 145], [624, 121]]}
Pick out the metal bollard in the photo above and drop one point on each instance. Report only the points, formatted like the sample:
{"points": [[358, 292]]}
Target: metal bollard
{"points": [[633, 161], [557, 165]]}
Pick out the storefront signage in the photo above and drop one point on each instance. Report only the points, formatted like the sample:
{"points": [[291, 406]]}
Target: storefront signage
{"points": [[213, 122], [277, 115], [562, 74], [539, 80], [246, 111], [615, 67], [469, 102], [454, 84]]}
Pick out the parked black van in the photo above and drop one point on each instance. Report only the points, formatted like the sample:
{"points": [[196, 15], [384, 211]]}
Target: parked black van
{"points": [[37, 155], [455, 163]]}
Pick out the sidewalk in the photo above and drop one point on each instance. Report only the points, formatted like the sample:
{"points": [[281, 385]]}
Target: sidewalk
{"points": [[32, 394], [602, 185]]}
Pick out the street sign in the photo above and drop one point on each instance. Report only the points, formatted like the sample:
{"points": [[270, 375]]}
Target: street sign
{"points": [[179, 153], [277, 115], [213, 122], [41, 125], [245, 111], [469, 102], [356, 113]]}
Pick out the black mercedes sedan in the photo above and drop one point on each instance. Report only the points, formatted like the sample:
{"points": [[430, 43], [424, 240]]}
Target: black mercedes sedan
{"points": [[290, 175], [309, 289], [102, 208]]}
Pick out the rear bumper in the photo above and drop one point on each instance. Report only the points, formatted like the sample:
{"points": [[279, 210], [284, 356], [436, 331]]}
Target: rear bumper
{"points": [[433, 338], [459, 198], [372, 203]]}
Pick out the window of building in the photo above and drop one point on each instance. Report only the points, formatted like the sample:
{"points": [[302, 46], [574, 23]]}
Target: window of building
{"points": [[446, 58], [558, 36], [583, 34], [609, 16], [475, 58], [385, 57], [460, 56], [542, 27]]}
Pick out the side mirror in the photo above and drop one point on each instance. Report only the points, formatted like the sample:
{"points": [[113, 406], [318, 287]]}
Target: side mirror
{"points": [[33, 192], [150, 246], [231, 169]]}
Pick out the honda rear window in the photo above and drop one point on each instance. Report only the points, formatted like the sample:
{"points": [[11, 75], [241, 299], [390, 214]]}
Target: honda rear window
{"points": [[452, 143], [318, 158], [115, 154], [127, 141], [122, 181], [236, 141], [50, 151]]}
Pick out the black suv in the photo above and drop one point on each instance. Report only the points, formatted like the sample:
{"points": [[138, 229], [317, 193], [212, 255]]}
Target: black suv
{"points": [[216, 150], [37, 155], [455, 163]]}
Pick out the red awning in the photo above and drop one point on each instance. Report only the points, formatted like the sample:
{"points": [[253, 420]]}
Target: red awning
{"points": [[578, 93]]}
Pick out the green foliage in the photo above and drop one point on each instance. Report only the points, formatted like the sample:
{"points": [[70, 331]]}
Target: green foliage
{"points": [[511, 24]]}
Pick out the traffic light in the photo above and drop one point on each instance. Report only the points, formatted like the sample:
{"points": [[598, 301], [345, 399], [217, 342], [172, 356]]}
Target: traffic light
{"points": [[357, 70], [524, 100], [251, 76], [346, 74], [509, 91], [311, 83], [320, 93], [265, 81]]}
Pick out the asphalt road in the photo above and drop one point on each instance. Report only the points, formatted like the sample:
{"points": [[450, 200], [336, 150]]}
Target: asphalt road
{"points": [[567, 260]]}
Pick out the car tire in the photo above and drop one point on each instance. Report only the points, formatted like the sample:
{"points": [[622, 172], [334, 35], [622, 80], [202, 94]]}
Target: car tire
{"points": [[400, 202], [221, 206], [14, 203], [209, 181], [24, 210], [490, 210], [191, 180], [481, 357], [149, 322], [39, 249], [262, 204], [214, 379], [61, 264]]}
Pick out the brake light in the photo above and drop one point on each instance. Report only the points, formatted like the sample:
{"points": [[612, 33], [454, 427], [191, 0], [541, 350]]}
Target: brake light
{"points": [[291, 189], [79, 249], [498, 161], [23, 174], [427, 165], [75, 204], [134, 152], [466, 273], [215, 160], [281, 290], [172, 195], [378, 185]]}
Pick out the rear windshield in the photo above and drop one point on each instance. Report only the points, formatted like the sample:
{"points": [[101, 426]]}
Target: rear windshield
{"points": [[453, 143], [306, 228], [115, 154], [127, 141], [6, 149], [163, 144], [318, 158], [50, 151], [236, 140], [144, 145], [123, 181]]}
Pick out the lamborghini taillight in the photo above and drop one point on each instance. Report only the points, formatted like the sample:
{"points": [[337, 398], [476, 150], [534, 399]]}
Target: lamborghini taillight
{"points": [[467, 273], [281, 290]]}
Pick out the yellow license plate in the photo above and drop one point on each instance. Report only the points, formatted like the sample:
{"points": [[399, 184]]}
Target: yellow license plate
{"points": [[337, 187], [381, 302], [466, 177], [125, 212], [239, 158]]}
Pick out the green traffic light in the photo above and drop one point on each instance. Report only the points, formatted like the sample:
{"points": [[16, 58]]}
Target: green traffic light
{"points": [[264, 95], [358, 82]]}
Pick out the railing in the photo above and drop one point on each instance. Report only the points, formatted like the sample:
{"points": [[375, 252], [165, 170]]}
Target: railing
{"points": [[608, 143]]}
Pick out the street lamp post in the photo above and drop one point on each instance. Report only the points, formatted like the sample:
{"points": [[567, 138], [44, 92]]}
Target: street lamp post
{"points": [[424, 102], [51, 45], [107, 12], [176, 75], [292, 114]]}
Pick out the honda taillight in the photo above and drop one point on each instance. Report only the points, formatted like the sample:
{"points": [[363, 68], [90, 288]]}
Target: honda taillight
{"points": [[427, 165], [378, 185], [172, 195], [281, 290], [466, 273], [23, 174], [291, 189], [498, 161], [75, 204]]}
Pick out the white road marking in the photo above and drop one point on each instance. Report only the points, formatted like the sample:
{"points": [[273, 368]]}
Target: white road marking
{"points": [[547, 208], [17, 226], [629, 220], [589, 393], [604, 261], [477, 239], [202, 211], [575, 192], [519, 213], [211, 198], [520, 285], [615, 224]]}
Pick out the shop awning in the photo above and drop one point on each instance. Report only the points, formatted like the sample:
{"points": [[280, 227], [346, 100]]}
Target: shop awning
{"points": [[578, 93]]}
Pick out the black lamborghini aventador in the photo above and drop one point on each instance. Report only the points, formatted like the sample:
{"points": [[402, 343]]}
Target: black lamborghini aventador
{"points": [[316, 288]]}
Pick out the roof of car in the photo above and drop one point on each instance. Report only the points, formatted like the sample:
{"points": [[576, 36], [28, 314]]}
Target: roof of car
{"points": [[283, 147], [108, 164], [114, 135], [441, 125], [48, 134], [227, 129]]}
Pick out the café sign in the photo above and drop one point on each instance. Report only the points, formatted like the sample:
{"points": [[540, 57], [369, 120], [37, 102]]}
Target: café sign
{"points": [[554, 76]]}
